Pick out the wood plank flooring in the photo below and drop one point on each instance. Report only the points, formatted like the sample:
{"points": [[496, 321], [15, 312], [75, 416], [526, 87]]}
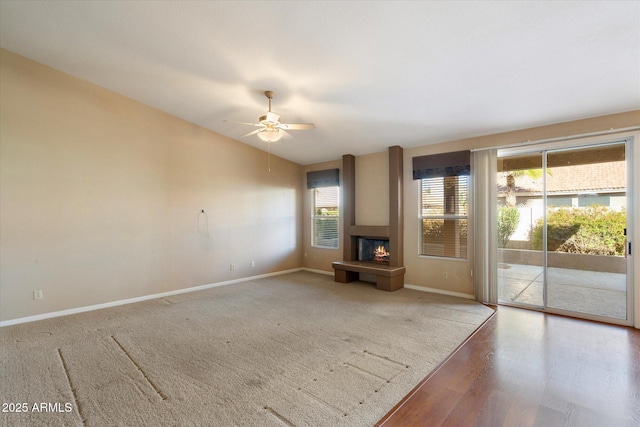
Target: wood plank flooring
{"points": [[525, 368]]}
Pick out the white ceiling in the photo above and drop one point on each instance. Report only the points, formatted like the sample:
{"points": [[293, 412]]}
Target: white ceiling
{"points": [[368, 74]]}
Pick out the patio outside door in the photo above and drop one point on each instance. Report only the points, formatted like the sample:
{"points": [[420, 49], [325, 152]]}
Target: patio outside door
{"points": [[562, 221]]}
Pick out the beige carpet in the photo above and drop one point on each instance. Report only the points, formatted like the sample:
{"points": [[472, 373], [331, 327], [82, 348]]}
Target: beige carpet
{"points": [[291, 350]]}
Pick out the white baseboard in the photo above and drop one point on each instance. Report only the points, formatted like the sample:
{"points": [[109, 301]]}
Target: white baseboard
{"points": [[139, 299], [439, 291]]}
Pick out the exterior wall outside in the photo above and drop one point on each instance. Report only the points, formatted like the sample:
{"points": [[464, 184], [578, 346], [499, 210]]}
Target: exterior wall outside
{"points": [[101, 198], [601, 263]]}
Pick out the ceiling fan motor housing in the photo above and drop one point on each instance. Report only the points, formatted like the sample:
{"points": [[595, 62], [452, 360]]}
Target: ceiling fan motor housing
{"points": [[269, 119]]}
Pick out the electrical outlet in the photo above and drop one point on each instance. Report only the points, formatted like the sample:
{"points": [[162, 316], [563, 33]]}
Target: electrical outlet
{"points": [[253, 263], [37, 294], [232, 267], [445, 275]]}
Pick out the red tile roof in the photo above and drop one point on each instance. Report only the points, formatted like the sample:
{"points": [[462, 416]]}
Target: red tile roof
{"points": [[597, 177]]}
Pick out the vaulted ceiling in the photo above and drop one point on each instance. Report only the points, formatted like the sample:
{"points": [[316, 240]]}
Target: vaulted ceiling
{"points": [[368, 74]]}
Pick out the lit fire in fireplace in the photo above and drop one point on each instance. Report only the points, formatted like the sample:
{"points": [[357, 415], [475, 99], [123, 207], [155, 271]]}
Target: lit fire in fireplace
{"points": [[380, 254]]}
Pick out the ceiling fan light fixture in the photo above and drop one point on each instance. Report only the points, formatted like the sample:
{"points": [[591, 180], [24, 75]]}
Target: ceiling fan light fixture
{"points": [[269, 135], [269, 127]]}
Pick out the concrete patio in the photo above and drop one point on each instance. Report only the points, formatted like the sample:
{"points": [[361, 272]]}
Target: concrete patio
{"points": [[591, 292]]}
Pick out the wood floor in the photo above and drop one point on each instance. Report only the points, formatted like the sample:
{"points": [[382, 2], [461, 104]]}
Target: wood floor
{"points": [[525, 368]]}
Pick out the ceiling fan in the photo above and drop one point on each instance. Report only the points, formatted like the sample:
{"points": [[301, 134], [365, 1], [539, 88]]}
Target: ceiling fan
{"points": [[270, 128]]}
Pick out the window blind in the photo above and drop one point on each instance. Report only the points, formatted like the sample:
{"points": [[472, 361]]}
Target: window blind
{"points": [[325, 217], [444, 215]]}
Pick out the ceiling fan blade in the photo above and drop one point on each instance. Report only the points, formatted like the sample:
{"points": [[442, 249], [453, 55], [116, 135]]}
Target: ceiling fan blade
{"points": [[252, 133], [296, 126], [243, 123], [285, 134]]}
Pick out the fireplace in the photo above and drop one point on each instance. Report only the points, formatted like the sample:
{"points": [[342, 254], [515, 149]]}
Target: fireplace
{"points": [[373, 250]]}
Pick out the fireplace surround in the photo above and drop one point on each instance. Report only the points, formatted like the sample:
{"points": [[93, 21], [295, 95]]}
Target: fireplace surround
{"points": [[389, 270]]}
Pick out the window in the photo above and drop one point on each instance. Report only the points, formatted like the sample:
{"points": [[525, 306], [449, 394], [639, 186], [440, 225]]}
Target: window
{"points": [[325, 217], [443, 216]]}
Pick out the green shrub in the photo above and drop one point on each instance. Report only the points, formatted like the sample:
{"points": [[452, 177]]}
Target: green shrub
{"points": [[508, 219], [596, 230], [433, 231]]}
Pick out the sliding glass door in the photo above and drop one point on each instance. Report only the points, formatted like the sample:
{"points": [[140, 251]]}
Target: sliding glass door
{"points": [[562, 219], [521, 266]]}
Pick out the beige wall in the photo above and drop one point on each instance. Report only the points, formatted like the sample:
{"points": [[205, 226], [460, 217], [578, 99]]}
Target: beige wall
{"points": [[372, 189], [101, 195]]}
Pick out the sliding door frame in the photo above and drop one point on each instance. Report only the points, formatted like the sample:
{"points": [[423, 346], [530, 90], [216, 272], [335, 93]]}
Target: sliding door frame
{"points": [[633, 205]]}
